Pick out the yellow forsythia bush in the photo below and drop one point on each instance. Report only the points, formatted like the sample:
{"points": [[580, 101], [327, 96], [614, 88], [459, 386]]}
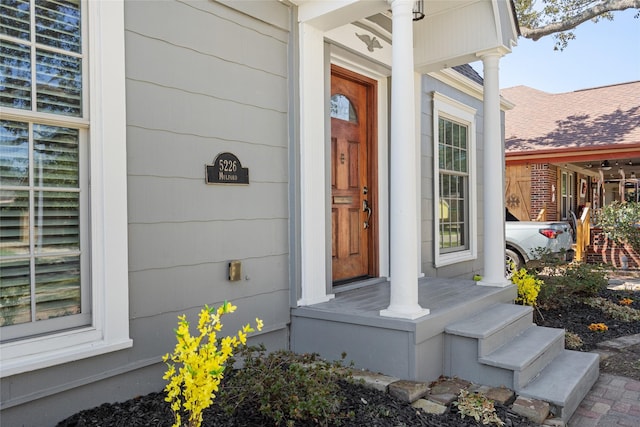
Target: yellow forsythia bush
{"points": [[196, 366], [528, 287]]}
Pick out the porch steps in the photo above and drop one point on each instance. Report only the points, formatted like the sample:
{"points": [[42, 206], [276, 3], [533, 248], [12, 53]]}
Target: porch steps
{"points": [[503, 347]]}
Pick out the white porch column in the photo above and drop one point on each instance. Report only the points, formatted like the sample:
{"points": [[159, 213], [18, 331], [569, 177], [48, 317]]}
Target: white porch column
{"points": [[312, 171], [403, 209], [493, 188]]}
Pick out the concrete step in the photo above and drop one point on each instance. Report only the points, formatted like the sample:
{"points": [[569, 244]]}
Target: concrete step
{"points": [[565, 381], [527, 354], [493, 327]]}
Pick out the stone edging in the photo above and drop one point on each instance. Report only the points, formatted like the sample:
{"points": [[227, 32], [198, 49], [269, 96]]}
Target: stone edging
{"points": [[436, 399]]}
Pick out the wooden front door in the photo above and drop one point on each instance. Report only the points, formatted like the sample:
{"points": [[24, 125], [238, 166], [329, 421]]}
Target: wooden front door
{"points": [[353, 196]]}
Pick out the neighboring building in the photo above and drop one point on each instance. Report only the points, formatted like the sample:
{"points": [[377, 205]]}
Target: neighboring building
{"points": [[568, 149], [156, 156]]}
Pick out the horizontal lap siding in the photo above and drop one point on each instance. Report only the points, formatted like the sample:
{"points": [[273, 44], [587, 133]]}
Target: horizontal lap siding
{"points": [[203, 79]]}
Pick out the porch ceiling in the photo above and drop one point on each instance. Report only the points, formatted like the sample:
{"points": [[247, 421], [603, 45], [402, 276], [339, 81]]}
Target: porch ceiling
{"points": [[452, 32], [587, 162], [630, 166]]}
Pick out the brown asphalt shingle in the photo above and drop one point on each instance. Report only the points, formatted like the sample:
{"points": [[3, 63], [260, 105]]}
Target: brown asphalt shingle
{"points": [[594, 117]]}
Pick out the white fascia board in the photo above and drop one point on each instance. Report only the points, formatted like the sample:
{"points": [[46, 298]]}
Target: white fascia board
{"points": [[326, 15]]}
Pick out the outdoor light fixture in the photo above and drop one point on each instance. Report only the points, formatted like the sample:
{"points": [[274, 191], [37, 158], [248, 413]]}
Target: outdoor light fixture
{"points": [[418, 10], [605, 166]]}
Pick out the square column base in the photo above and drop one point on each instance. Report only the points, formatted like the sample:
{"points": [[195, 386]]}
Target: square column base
{"points": [[411, 314]]}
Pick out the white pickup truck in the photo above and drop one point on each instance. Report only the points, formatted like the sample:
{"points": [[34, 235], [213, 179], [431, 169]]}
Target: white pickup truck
{"points": [[527, 240]]}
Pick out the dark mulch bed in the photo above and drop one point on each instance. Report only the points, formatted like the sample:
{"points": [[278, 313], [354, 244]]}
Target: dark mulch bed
{"points": [[372, 408], [577, 317]]}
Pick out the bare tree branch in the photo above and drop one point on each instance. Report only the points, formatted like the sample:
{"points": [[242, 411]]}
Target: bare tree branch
{"points": [[569, 22]]}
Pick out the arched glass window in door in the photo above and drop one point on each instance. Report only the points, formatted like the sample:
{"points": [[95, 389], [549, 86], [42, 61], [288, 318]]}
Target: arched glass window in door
{"points": [[342, 108]]}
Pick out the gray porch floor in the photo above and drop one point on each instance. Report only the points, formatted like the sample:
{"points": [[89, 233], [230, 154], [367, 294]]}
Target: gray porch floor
{"points": [[409, 349], [439, 295]]}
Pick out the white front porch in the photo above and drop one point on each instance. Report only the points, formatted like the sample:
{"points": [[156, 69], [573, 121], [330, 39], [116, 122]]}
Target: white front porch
{"points": [[409, 349]]}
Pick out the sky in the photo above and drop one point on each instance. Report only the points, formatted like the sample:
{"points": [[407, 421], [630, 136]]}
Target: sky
{"points": [[603, 53]]}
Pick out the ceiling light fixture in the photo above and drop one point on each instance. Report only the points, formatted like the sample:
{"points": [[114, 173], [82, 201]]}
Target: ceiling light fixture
{"points": [[605, 166]]}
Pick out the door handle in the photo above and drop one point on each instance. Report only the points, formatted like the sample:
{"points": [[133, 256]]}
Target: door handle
{"points": [[366, 208]]}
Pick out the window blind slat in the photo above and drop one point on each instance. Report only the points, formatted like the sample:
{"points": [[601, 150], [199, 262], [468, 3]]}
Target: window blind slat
{"points": [[58, 83], [15, 61], [14, 18], [14, 153], [15, 292], [56, 156], [52, 210], [57, 287], [58, 24], [14, 222]]}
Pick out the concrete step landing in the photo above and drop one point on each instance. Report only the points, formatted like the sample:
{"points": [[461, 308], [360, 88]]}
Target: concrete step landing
{"points": [[502, 347]]}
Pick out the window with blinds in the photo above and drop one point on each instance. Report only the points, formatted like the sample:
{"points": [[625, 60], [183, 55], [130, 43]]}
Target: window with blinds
{"points": [[43, 188]]}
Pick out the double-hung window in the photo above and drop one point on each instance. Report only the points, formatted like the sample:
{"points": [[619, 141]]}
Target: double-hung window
{"points": [[454, 178], [56, 136], [43, 196]]}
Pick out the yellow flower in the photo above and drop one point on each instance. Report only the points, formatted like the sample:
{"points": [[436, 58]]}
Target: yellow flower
{"points": [[259, 324], [201, 360], [598, 327]]}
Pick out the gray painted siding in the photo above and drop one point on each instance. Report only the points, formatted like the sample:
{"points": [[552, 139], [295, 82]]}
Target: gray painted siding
{"points": [[202, 79], [463, 269]]}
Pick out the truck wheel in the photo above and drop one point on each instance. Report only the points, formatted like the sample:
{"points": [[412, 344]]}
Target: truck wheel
{"points": [[514, 262]]}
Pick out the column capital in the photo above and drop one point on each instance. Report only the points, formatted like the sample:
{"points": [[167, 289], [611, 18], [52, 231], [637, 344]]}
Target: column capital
{"points": [[499, 52], [399, 7]]}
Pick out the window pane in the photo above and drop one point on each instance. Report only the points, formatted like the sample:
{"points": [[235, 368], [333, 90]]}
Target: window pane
{"points": [[57, 221], [342, 108], [455, 135], [57, 287], [14, 153], [14, 18], [59, 83], [463, 161], [58, 24], [15, 292], [463, 137], [14, 222], [15, 75], [55, 156]]}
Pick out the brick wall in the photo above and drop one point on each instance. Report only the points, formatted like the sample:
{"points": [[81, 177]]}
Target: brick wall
{"points": [[602, 250], [543, 179]]}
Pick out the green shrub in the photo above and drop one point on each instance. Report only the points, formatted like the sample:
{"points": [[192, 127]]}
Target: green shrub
{"points": [[286, 387], [620, 223], [576, 280]]}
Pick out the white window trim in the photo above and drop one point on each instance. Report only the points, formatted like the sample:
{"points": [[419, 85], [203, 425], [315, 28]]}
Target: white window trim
{"points": [[452, 109], [109, 248]]}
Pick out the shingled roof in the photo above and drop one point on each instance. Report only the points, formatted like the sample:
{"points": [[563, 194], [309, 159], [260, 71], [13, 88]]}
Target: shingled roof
{"points": [[584, 119]]}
